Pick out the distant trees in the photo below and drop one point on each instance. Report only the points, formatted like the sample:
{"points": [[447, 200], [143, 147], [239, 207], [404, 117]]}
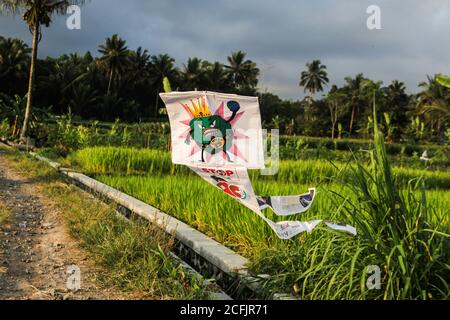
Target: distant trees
{"points": [[14, 65], [125, 83], [337, 104]]}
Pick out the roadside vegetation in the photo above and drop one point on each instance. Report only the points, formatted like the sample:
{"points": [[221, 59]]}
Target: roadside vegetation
{"points": [[133, 253]]}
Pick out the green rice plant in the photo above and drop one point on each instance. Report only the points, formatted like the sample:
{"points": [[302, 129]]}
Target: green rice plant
{"points": [[115, 160], [108, 160]]}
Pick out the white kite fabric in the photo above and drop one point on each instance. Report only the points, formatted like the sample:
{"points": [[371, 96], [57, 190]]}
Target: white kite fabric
{"points": [[219, 137]]}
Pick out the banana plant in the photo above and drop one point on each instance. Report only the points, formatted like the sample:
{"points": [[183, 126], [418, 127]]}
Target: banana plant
{"points": [[443, 80], [166, 85]]}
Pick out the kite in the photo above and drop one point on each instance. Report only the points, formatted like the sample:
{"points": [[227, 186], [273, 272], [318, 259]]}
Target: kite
{"points": [[219, 137]]}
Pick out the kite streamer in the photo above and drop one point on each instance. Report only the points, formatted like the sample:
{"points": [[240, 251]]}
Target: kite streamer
{"points": [[219, 137]]}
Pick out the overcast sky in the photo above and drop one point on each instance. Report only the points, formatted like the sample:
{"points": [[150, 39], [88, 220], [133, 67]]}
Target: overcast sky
{"points": [[281, 36]]}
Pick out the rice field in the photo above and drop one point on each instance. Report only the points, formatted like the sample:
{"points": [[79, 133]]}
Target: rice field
{"points": [[133, 161], [409, 243]]}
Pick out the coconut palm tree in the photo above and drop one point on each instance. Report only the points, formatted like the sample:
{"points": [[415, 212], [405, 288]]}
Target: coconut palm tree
{"points": [[36, 13], [243, 73], [115, 57], [162, 66], [433, 103], [192, 74], [14, 63], [314, 78], [434, 98], [139, 65], [354, 89], [397, 102], [216, 77], [83, 97]]}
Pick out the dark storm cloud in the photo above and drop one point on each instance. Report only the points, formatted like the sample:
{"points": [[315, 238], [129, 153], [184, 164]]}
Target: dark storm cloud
{"points": [[280, 35]]}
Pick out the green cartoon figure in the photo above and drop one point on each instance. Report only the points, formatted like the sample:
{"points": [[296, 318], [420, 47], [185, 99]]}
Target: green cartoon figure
{"points": [[212, 133]]}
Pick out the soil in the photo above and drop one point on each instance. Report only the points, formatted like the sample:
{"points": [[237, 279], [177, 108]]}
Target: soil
{"points": [[37, 253]]}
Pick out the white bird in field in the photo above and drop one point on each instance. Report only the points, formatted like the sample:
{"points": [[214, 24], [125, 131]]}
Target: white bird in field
{"points": [[424, 156]]}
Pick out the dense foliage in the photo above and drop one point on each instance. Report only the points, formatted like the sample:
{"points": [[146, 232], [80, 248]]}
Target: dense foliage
{"points": [[119, 82]]}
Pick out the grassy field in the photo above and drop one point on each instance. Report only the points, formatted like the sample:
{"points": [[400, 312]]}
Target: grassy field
{"points": [[402, 216], [134, 254]]}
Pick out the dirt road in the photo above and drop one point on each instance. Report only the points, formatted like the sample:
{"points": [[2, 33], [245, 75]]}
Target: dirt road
{"points": [[36, 250]]}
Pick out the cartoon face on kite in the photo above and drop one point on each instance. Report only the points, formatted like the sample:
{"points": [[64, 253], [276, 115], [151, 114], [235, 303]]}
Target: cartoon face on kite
{"points": [[212, 133]]}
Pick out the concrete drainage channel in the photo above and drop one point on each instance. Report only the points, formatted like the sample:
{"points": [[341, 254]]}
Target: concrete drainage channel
{"points": [[197, 253]]}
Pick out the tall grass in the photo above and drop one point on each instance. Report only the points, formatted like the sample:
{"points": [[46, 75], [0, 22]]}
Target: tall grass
{"points": [[398, 231], [396, 226]]}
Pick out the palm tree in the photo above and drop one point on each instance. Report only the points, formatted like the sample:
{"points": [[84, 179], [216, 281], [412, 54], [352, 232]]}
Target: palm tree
{"points": [[115, 57], [163, 66], [355, 94], [36, 13], [14, 63], [434, 98], [434, 103], [192, 73], [83, 98], [397, 100], [62, 74], [314, 78], [216, 77], [139, 65], [243, 73], [396, 94]]}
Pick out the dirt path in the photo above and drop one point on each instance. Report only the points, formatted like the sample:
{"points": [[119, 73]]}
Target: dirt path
{"points": [[36, 251]]}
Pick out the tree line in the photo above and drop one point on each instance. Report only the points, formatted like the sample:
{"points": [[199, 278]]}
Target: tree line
{"points": [[124, 83]]}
